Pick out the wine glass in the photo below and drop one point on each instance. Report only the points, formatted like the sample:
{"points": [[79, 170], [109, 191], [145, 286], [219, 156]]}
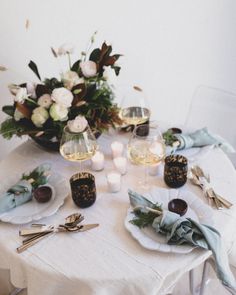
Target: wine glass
{"points": [[134, 107], [79, 146], [146, 147]]}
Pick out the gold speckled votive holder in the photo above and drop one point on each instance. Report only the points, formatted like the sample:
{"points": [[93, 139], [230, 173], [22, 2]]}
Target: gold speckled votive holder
{"points": [[175, 170], [83, 189]]}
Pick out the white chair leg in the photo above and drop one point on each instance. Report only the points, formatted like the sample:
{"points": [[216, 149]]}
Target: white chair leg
{"points": [[204, 277]]}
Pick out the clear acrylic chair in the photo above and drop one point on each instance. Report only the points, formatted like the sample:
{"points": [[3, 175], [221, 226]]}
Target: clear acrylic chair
{"points": [[215, 109]]}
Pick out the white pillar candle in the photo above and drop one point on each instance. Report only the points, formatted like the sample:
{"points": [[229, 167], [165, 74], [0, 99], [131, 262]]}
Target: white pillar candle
{"points": [[97, 161], [120, 164], [114, 181], [117, 149], [155, 169]]}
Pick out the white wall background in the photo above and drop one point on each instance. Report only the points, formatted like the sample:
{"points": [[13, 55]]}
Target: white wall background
{"points": [[169, 46]]}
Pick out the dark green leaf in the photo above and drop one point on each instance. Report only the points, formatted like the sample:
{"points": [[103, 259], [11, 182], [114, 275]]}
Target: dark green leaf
{"points": [[95, 55], [9, 110], [34, 68], [41, 90], [116, 69], [75, 67]]}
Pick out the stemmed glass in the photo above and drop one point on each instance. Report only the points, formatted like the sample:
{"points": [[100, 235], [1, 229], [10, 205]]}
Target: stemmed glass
{"points": [[134, 107], [146, 147], [79, 146]]}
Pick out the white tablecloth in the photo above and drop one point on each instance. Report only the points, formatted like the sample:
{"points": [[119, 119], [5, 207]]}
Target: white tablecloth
{"points": [[105, 260]]}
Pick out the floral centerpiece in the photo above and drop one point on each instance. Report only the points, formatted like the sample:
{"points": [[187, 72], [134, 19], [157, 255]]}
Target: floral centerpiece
{"points": [[41, 110]]}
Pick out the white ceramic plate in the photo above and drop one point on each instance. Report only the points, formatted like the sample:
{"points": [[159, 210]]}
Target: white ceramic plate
{"points": [[151, 240], [32, 210]]}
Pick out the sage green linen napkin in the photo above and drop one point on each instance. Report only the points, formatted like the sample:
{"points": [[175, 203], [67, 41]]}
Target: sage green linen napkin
{"points": [[202, 137], [21, 192], [180, 230]]}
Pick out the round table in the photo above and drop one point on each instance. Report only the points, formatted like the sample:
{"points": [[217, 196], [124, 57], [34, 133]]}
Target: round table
{"points": [[105, 260]]}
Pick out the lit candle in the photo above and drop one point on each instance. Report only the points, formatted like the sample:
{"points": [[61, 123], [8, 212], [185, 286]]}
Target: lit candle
{"points": [[97, 161], [120, 164], [117, 149], [156, 169], [114, 181]]}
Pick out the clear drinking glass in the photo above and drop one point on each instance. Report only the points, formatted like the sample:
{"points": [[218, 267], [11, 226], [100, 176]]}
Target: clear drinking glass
{"points": [[146, 147], [79, 146], [134, 106]]}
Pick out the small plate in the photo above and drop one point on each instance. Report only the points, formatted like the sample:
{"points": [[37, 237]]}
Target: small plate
{"points": [[32, 210], [151, 240]]}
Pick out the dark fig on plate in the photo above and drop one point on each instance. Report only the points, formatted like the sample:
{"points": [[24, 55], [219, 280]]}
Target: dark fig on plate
{"points": [[43, 194]]}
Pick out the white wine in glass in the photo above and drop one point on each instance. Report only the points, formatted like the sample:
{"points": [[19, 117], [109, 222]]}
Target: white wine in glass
{"points": [[146, 147], [134, 107], [79, 146]]}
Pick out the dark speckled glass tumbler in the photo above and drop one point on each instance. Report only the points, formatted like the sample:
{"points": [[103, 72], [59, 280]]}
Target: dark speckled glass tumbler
{"points": [[175, 171], [83, 189]]}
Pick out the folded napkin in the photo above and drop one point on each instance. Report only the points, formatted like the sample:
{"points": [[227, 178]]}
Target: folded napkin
{"points": [[180, 230], [200, 138], [21, 192]]}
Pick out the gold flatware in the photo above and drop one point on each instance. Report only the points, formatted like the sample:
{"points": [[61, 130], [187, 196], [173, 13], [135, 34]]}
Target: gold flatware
{"points": [[38, 237], [198, 177]]}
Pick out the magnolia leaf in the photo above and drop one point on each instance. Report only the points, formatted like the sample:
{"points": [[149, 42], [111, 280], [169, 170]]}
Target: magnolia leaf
{"points": [[24, 110], [95, 55], [116, 69], [76, 66], [80, 90], [34, 68], [9, 110], [54, 52], [3, 69], [41, 90]]}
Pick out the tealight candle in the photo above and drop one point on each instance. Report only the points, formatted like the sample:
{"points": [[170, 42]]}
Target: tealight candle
{"points": [[114, 181], [120, 164], [97, 161], [155, 169], [117, 149]]}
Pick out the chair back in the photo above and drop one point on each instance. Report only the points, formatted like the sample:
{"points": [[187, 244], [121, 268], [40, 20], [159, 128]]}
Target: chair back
{"points": [[215, 109]]}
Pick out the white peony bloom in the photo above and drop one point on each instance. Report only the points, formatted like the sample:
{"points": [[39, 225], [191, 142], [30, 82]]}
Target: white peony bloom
{"points": [[58, 112], [62, 96], [39, 116], [21, 95], [65, 48], [88, 68], [70, 79], [18, 115], [78, 124], [45, 101], [30, 86]]}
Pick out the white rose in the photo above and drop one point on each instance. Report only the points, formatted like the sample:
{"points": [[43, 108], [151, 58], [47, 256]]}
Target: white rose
{"points": [[65, 48], [62, 96], [70, 79], [45, 101], [39, 116], [78, 124], [21, 95], [18, 115], [88, 68], [58, 112], [30, 86]]}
